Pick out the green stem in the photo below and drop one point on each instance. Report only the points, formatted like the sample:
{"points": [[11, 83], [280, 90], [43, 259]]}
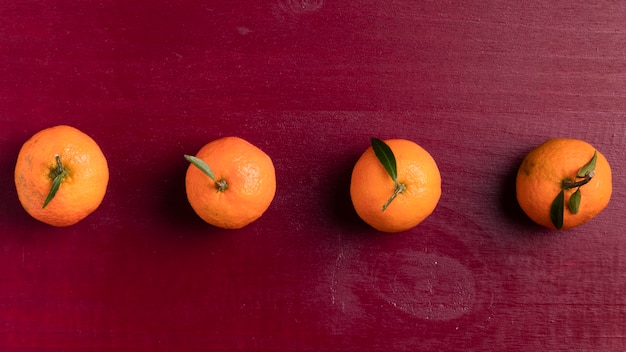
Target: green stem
{"points": [[57, 174], [569, 184], [399, 188]]}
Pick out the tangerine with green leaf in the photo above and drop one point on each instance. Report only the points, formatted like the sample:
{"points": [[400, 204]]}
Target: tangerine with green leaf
{"points": [[230, 182], [563, 183], [395, 185], [61, 175]]}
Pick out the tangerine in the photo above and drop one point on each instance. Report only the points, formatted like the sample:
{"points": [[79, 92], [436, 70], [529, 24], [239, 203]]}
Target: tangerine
{"points": [[61, 175], [230, 182], [563, 183], [395, 185]]}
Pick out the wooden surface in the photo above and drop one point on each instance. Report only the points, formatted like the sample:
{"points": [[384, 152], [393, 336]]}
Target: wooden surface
{"points": [[476, 83]]}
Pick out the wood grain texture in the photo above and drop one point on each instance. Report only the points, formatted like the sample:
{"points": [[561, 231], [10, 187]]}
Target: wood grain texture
{"points": [[476, 83]]}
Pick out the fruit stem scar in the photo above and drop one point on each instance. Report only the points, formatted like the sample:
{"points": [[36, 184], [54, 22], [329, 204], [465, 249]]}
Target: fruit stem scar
{"points": [[399, 188], [56, 174], [221, 185]]}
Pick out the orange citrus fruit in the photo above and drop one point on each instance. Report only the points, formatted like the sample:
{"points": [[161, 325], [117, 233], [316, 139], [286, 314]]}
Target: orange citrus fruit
{"points": [[563, 183], [394, 205], [61, 175], [230, 182]]}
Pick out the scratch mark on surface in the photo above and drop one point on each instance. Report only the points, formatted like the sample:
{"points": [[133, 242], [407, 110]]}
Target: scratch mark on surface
{"points": [[334, 280], [300, 7], [428, 286], [244, 30]]}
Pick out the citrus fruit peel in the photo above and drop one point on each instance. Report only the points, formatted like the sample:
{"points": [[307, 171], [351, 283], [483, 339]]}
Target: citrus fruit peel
{"points": [[61, 175], [236, 189], [395, 185], [563, 183]]}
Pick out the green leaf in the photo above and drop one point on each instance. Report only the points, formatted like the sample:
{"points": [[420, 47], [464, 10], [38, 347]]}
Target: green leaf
{"points": [[556, 210], [589, 167], [386, 157], [58, 174], [56, 183], [200, 164], [574, 201]]}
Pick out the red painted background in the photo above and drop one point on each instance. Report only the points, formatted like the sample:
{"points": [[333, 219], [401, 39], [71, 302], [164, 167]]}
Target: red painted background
{"points": [[476, 83]]}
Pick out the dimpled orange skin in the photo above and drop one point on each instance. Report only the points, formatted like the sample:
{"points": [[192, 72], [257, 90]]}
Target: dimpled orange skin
{"points": [[251, 180], [80, 192], [542, 171], [371, 186]]}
